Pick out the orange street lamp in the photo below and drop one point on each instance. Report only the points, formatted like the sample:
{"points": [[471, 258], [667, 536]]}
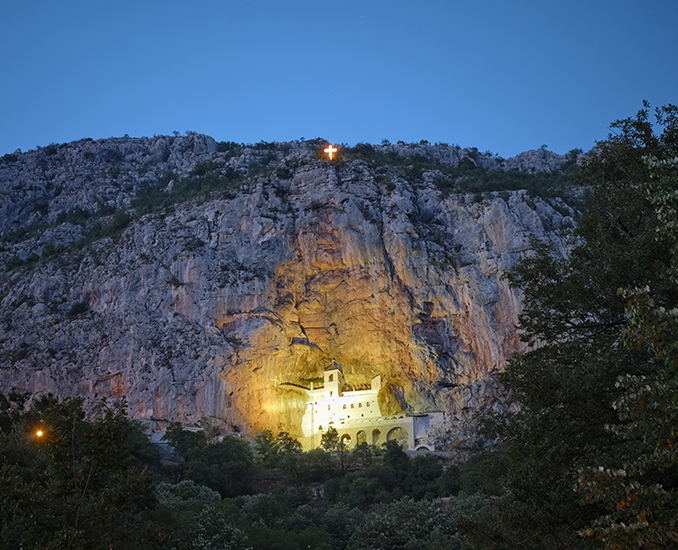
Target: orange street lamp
{"points": [[331, 150], [38, 433]]}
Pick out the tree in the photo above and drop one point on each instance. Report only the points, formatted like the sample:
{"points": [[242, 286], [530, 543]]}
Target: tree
{"points": [[266, 449], [340, 522], [275, 451], [407, 524], [363, 454], [211, 532], [79, 485], [640, 493], [225, 465], [570, 384], [330, 439], [332, 443], [395, 457]]}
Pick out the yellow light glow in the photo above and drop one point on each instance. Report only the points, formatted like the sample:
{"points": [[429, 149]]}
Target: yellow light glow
{"points": [[331, 150], [39, 433]]}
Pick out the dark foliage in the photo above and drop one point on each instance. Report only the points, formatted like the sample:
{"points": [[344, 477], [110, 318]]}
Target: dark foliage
{"points": [[222, 464], [70, 482], [569, 387], [469, 176], [97, 483]]}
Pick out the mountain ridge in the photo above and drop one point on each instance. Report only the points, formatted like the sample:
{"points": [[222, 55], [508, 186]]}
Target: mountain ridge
{"points": [[224, 257]]}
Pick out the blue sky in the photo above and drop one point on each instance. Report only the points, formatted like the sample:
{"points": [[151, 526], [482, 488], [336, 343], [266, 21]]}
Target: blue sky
{"points": [[499, 75]]}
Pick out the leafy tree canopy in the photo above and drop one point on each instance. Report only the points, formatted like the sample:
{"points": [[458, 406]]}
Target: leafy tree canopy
{"points": [[67, 481], [224, 464], [580, 392]]}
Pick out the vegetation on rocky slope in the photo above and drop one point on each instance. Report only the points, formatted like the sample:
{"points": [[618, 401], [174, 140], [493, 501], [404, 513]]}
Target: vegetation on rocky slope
{"points": [[89, 190]]}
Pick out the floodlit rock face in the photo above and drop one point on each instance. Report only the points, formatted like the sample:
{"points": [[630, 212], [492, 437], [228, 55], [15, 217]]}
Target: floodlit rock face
{"points": [[206, 309]]}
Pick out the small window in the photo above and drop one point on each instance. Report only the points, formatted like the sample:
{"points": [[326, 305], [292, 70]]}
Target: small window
{"points": [[331, 378], [330, 394], [367, 404], [360, 405], [351, 405], [328, 407], [344, 406]]}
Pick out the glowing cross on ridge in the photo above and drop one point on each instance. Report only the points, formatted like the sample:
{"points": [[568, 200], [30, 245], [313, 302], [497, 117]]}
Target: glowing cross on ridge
{"points": [[331, 150]]}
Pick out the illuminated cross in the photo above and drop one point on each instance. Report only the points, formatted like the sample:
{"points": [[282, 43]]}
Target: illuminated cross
{"points": [[331, 150]]}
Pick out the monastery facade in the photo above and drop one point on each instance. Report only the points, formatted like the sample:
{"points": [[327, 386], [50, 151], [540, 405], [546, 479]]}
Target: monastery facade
{"points": [[355, 414]]}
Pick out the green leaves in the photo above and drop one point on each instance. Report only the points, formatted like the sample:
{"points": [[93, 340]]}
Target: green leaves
{"points": [[330, 439], [406, 525], [639, 491], [585, 398], [273, 451], [223, 464], [79, 485]]}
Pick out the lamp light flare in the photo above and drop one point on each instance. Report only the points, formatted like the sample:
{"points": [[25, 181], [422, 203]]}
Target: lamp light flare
{"points": [[331, 149], [39, 433]]}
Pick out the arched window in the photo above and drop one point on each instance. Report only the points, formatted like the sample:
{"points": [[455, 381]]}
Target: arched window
{"points": [[344, 406], [331, 378]]}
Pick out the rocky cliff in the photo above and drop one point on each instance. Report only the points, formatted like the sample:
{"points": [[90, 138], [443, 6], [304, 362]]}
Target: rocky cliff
{"points": [[278, 264]]}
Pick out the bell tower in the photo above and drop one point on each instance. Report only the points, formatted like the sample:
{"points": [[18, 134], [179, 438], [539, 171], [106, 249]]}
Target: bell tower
{"points": [[334, 380]]}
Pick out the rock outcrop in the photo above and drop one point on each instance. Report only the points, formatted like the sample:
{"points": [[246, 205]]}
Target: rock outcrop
{"points": [[207, 307]]}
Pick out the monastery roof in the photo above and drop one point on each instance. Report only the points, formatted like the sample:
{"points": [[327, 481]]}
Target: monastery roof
{"points": [[334, 366]]}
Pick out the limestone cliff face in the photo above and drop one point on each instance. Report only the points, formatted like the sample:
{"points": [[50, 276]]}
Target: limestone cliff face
{"points": [[206, 309]]}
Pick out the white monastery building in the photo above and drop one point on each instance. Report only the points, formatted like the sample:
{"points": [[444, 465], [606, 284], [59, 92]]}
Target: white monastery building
{"points": [[355, 414]]}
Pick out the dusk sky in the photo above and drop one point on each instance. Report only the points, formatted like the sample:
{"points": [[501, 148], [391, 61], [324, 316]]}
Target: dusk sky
{"points": [[499, 75]]}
